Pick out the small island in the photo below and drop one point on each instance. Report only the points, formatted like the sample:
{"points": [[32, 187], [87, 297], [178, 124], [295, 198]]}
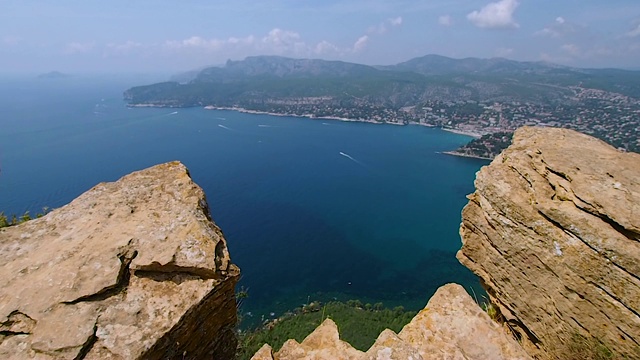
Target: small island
{"points": [[54, 75]]}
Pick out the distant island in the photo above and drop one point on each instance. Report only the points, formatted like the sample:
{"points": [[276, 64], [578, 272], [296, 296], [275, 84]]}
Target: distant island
{"points": [[53, 75], [477, 97]]}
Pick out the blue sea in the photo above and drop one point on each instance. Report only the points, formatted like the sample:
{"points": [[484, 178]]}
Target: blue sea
{"points": [[312, 209]]}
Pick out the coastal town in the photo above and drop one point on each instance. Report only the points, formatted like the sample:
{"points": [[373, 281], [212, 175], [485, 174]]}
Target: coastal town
{"points": [[612, 117]]}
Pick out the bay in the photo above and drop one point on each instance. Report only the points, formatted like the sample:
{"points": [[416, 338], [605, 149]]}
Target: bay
{"points": [[312, 209]]}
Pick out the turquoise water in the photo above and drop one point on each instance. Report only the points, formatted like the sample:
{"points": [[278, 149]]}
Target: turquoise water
{"points": [[311, 209]]}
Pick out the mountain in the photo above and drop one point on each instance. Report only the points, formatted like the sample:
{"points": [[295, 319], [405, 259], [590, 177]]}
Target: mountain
{"points": [[442, 65], [476, 96], [432, 77]]}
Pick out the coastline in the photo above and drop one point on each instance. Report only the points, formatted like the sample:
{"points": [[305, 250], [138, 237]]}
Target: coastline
{"points": [[472, 134], [454, 153], [309, 116]]}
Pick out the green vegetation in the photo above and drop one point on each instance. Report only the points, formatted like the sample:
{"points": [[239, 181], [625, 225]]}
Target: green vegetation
{"points": [[488, 146], [6, 221], [580, 347], [359, 324]]}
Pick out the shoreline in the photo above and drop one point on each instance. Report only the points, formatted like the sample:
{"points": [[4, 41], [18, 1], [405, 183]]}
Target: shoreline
{"points": [[308, 116], [454, 153], [472, 134]]}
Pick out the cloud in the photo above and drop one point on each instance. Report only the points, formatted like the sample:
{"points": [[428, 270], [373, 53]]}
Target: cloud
{"points": [[324, 47], [634, 32], [194, 42], [284, 41], [496, 15], [396, 21], [124, 48], [560, 28], [78, 48], [200, 43], [504, 52], [384, 26], [445, 20], [361, 43], [571, 49]]}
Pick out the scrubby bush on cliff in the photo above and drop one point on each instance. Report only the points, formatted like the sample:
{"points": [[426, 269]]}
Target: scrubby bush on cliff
{"points": [[15, 220]]}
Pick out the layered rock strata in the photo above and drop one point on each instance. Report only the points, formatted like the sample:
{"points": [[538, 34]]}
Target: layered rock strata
{"points": [[133, 269], [451, 326], [553, 231]]}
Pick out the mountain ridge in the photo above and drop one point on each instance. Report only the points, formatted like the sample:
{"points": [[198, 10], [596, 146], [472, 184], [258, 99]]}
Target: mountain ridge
{"points": [[472, 95]]}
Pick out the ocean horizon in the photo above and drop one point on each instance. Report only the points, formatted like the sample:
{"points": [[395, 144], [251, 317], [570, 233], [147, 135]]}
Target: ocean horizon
{"points": [[312, 209]]}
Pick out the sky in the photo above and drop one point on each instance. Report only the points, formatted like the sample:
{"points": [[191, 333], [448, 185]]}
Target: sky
{"points": [[76, 36]]}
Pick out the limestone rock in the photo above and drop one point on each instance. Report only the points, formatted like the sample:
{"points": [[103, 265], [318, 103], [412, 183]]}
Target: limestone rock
{"points": [[453, 326], [389, 346], [553, 230], [130, 269], [265, 353], [322, 344]]}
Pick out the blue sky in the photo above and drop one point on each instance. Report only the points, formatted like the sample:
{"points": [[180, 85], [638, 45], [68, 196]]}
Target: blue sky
{"points": [[161, 35]]}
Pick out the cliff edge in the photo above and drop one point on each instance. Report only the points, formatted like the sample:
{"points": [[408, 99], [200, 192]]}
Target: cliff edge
{"points": [[133, 269], [553, 231], [451, 326]]}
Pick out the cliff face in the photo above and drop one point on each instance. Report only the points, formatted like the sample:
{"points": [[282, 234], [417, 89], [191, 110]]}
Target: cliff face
{"points": [[553, 231], [451, 326], [133, 269]]}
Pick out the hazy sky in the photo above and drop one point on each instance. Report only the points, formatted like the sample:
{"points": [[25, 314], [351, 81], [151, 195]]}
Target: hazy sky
{"points": [[161, 35]]}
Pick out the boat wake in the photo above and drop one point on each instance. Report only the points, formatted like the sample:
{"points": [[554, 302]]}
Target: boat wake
{"points": [[351, 158], [224, 127], [264, 125], [173, 113], [219, 118]]}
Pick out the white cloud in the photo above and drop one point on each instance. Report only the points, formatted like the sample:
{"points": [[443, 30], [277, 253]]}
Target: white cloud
{"points": [[504, 52], [324, 47], [445, 20], [243, 41], [635, 32], [396, 21], [194, 42], [496, 15], [78, 48], [560, 28], [283, 41], [572, 49], [384, 26], [361, 43], [123, 48]]}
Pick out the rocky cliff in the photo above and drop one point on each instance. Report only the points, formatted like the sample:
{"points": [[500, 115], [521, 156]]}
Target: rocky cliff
{"points": [[133, 269], [451, 326], [553, 231]]}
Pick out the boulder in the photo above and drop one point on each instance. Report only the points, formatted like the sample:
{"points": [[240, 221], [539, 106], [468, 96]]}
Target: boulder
{"points": [[129, 270], [553, 231]]}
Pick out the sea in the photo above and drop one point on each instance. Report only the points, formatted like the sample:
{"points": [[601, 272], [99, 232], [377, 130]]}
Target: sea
{"points": [[312, 209]]}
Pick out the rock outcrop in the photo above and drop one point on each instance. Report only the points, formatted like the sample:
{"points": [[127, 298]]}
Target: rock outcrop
{"points": [[451, 326], [133, 269], [553, 231]]}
